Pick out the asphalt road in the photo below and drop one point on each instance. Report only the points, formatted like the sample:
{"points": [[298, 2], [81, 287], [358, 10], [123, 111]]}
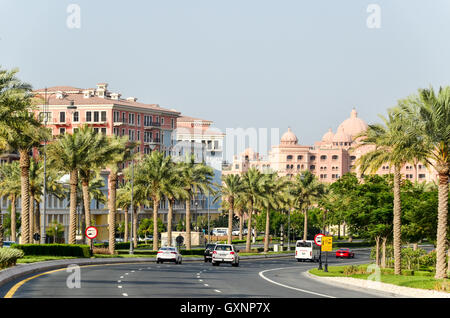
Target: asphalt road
{"points": [[272, 278]]}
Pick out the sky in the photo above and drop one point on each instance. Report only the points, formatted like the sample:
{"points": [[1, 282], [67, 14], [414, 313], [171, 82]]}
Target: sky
{"points": [[240, 63]]}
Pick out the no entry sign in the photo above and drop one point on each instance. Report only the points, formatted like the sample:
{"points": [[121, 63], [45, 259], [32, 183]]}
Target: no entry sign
{"points": [[318, 239], [91, 232]]}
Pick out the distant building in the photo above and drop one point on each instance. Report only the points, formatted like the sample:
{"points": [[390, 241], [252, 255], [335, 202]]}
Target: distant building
{"points": [[330, 158]]}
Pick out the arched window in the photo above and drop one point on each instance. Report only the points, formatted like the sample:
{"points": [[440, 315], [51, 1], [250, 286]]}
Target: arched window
{"points": [[312, 167], [299, 157], [298, 167], [352, 157], [335, 157], [323, 157], [312, 158], [289, 157]]}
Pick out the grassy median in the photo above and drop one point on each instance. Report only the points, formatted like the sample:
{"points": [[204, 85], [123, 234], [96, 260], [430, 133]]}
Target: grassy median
{"points": [[413, 280]]}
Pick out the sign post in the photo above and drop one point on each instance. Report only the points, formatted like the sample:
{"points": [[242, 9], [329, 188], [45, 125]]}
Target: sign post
{"points": [[318, 242], [91, 233], [327, 246]]}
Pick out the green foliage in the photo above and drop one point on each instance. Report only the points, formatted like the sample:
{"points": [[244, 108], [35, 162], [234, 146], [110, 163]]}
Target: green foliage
{"points": [[54, 249], [9, 257], [146, 227]]}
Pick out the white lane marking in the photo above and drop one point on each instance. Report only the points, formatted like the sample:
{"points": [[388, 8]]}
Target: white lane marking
{"points": [[119, 286], [261, 274], [206, 285], [132, 271], [121, 276], [126, 273], [200, 280], [119, 281], [124, 294], [218, 291], [148, 267]]}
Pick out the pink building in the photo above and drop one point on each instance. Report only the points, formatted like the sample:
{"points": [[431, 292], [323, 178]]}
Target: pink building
{"points": [[68, 108], [330, 158]]}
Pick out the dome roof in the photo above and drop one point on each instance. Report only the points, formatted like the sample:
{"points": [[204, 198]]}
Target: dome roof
{"points": [[328, 137], [353, 125], [289, 138], [342, 136]]}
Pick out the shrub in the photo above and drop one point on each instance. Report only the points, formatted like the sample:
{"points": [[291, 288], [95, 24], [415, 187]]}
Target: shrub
{"points": [[423, 273], [428, 260], [411, 258], [9, 257], [354, 269], [408, 272], [387, 271], [54, 249], [442, 286], [101, 250]]}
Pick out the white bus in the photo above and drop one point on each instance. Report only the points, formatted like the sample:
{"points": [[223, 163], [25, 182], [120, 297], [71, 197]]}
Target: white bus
{"points": [[307, 250], [220, 231]]}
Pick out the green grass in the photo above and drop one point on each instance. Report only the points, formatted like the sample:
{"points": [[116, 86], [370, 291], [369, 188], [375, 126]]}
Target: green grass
{"points": [[423, 282], [40, 258]]}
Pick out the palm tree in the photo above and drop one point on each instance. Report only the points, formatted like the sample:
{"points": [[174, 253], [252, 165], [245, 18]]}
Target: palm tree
{"points": [[123, 201], [23, 135], [393, 146], [14, 96], [151, 173], [196, 178], [122, 153], [229, 191], [66, 155], [431, 112], [253, 182], [306, 191], [276, 196], [95, 158], [10, 187], [172, 188]]}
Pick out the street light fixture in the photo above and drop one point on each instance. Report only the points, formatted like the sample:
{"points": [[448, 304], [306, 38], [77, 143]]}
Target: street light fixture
{"points": [[132, 210]]}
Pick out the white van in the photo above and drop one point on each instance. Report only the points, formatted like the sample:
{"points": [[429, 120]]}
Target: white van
{"points": [[220, 231], [307, 250]]}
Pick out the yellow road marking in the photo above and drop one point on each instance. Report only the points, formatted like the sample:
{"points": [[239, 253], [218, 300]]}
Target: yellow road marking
{"points": [[14, 289]]}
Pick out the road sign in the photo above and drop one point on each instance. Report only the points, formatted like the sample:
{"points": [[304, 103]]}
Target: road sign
{"points": [[327, 244], [318, 239], [91, 232]]}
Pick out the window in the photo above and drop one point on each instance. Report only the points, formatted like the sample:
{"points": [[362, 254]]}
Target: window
{"points": [[312, 167], [75, 129], [421, 176], [131, 119], [352, 158], [76, 117], [62, 117], [62, 131], [88, 116], [96, 130], [323, 157], [138, 137], [138, 120], [289, 157], [44, 116], [124, 117], [104, 116], [104, 131], [299, 157], [162, 120], [116, 131], [96, 117], [335, 157], [216, 144], [123, 132], [312, 158], [173, 123], [116, 116]]}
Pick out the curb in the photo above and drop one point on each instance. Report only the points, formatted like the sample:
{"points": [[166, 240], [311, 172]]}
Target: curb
{"points": [[12, 273]]}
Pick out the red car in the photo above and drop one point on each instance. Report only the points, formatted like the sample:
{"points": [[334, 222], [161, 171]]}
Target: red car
{"points": [[344, 252]]}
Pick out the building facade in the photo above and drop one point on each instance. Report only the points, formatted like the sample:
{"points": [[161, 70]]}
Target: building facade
{"points": [[333, 156]]}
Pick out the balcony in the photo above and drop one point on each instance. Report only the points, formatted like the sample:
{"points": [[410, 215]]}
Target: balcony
{"points": [[153, 141], [119, 123], [56, 121], [152, 125]]}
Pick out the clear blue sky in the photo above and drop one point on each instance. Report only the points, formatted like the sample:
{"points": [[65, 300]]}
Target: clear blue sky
{"points": [[240, 63]]}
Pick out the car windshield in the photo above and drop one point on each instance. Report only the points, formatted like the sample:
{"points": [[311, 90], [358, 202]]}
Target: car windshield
{"points": [[304, 244], [168, 249], [210, 246], [223, 248]]}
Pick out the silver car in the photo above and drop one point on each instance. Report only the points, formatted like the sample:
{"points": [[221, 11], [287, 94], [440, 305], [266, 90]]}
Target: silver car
{"points": [[225, 253]]}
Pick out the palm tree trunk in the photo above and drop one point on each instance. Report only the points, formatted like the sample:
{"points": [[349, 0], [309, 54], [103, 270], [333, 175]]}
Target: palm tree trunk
{"points": [[169, 222], [241, 224], [155, 224], [249, 229], [305, 226], [125, 235], [397, 223], [24, 164], [442, 226], [135, 222], [266, 235], [230, 220], [13, 218], [383, 251], [73, 206], [31, 218], [188, 223], [87, 205], [112, 210]]}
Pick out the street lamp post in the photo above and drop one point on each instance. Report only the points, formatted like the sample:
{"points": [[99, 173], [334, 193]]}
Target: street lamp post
{"points": [[132, 211], [208, 217], [196, 215]]}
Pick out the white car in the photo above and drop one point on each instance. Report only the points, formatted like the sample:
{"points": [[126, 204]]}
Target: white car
{"points": [[168, 254], [225, 253]]}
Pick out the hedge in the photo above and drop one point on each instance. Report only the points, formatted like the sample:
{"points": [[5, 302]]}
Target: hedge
{"points": [[352, 244], [121, 245], [54, 249], [9, 256]]}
